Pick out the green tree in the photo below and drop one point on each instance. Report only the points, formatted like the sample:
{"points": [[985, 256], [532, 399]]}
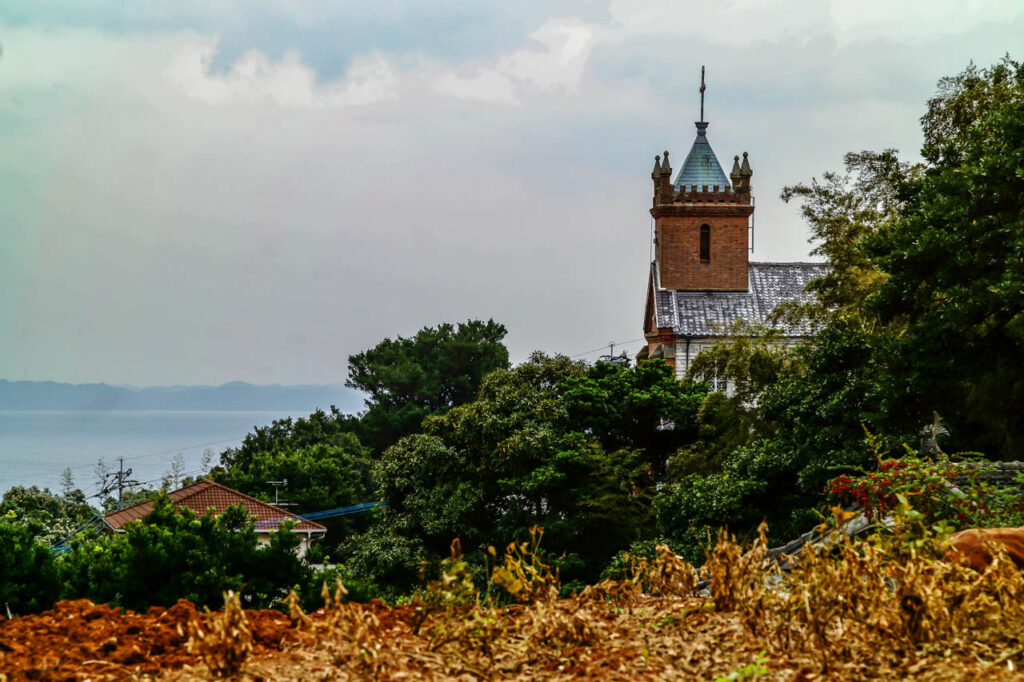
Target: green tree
{"points": [[173, 554], [330, 428], [842, 211], [525, 453], [28, 574], [954, 265], [321, 476], [642, 408], [751, 362], [407, 379], [57, 516]]}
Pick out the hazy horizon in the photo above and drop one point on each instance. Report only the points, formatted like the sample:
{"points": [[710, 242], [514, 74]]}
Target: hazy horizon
{"points": [[134, 386]]}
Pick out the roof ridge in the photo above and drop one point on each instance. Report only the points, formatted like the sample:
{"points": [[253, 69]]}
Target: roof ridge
{"points": [[788, 262], [197, 488], [709, 292], [169, 493], [205, 484]]}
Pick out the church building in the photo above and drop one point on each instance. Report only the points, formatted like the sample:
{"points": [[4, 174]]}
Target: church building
{"points": [[702, 283]]}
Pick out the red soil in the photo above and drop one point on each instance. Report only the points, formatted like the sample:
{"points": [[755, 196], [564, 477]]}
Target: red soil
{"points": [[79, 639]]}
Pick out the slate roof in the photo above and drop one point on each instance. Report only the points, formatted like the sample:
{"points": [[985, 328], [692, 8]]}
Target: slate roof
{"points": [[701, 166], [704, 314], [202, 495]]}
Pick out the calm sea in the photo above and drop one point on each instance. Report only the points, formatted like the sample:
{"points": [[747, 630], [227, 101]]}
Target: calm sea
{"points": [[35, 447]]}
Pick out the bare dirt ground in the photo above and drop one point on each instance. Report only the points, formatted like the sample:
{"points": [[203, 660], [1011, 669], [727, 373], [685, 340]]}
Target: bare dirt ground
{"points": [[652, 639]]}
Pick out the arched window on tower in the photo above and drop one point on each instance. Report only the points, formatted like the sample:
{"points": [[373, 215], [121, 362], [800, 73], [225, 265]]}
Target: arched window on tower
{"points": [[705, 243]]}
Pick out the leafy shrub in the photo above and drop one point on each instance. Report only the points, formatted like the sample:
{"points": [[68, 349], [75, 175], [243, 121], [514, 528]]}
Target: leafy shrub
{"points": [[356, 589], [57, 515], [28, 575], [940, 491], [173, 554]]}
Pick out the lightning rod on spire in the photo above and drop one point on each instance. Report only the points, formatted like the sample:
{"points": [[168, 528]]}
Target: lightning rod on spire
{"points": [[702, 89]]}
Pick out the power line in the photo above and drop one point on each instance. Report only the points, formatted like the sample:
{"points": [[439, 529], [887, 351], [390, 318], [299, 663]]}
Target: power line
{"points": [[131, 458], [119, 480], [84, 469], [186, 447], [605, 347]]}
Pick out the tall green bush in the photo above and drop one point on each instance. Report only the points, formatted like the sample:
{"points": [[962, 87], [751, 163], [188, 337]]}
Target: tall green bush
{"points": [[29, 581], [174, 554]]}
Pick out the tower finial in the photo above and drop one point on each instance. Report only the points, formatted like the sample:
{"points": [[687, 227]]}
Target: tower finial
{"points": [[702, 89]]}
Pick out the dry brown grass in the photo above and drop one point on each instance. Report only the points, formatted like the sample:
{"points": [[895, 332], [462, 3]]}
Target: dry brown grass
{"points": [[886, 608], [222, 640]]}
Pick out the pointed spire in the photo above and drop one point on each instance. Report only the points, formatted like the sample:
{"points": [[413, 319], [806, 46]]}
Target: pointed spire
{"points": [[665, 168], [745, 168], [735, 165], [657, 165], [701, 167]]}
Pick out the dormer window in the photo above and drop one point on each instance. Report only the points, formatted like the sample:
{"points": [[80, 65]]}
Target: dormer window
{"points": [[705, 243]]}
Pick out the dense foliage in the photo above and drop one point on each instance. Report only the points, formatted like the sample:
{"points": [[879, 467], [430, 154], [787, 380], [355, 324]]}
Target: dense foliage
{"points": [[28, 575], [550, 442], [940, 492], [173, 554], [954, 264], [55, 515], [407, 379], [326, 457], [324, 465], [170, 554]]}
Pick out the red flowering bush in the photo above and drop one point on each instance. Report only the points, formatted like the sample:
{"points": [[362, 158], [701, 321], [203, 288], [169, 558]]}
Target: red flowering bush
{"points": [[940, 491]]}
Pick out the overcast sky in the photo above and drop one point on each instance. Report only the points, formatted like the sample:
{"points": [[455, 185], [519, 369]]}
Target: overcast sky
{"points": [[201, 191]]}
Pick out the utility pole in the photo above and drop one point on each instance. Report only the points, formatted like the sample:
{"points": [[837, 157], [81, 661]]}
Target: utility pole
{"points": [[119, 480], [620, 359]]}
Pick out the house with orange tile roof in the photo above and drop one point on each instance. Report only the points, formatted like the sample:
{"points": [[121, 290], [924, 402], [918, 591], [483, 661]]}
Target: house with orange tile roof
{"points": [[205, 495]]}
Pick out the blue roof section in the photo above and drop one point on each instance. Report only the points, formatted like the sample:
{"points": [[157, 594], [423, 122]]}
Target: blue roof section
{"points": [[701, 166]]}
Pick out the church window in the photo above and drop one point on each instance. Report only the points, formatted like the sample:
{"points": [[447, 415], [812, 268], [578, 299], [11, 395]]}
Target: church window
{"points": [[705, 243]]}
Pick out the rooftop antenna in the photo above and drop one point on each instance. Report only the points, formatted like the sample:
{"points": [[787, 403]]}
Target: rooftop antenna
{"points": [[702, 89], [277, 489]]}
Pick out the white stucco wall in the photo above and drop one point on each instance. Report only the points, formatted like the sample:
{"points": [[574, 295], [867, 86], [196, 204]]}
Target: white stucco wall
{"points": [[263, 539], [686, 352]]}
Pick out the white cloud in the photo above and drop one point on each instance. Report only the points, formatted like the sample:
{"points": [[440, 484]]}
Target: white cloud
{"points": [[743, 23], [859, 20], [565, 47], [488, 85], [289, 83], [736, 23], [555, 58]]}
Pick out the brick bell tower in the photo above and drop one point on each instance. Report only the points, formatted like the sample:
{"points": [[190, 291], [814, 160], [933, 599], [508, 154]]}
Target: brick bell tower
{"points": [[701, 236]]}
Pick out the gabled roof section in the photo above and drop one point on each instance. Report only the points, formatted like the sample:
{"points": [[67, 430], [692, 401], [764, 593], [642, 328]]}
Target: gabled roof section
{"points": [[203, 495], [710, 314], [701, 166]]}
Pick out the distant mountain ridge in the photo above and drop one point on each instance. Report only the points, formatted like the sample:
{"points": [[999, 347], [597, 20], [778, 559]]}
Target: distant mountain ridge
{"points": [[233, 396]]}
